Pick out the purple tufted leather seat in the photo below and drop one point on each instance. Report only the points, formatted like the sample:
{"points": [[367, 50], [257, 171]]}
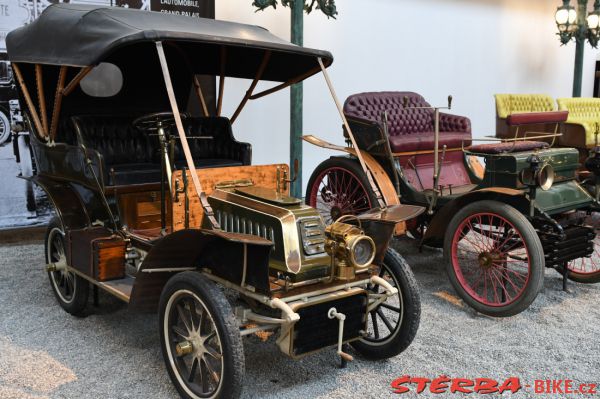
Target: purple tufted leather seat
{"points": [[410, 129]]}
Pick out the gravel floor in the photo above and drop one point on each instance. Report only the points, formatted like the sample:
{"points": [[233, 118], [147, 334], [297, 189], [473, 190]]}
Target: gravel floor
{"points": [[114, 353]]}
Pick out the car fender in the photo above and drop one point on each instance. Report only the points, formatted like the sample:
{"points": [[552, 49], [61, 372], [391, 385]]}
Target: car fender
{"points": [[67, 203], [238, 258], [436, 229], [383, 181]]}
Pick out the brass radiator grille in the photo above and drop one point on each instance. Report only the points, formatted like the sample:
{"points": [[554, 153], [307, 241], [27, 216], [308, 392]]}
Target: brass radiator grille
{"points": [[235, 224]]}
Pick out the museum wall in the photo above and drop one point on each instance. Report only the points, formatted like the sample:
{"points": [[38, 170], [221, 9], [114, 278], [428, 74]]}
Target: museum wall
{"points": [[468, 48]]}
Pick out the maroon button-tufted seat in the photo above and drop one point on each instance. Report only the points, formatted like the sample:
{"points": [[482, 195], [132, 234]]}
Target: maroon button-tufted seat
{"points": [[410, 129], [512, 146]]}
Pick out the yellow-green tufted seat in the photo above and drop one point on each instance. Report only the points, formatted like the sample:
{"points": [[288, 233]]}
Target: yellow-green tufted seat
{"points": [[508, 104], [584, 114]]}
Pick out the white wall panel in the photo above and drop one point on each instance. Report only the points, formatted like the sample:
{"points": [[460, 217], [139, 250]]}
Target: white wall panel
{"points": [[468, 48]]}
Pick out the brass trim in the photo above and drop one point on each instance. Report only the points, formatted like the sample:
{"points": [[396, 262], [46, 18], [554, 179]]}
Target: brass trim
{"points": [[291, 238]]}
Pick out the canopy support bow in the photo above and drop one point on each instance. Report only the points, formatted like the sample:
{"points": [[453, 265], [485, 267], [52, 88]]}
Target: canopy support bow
{"points": [[208, 212]]}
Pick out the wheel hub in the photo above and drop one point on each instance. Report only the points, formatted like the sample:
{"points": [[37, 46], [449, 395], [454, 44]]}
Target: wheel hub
{"points": [[184, 348], [486, 259]]}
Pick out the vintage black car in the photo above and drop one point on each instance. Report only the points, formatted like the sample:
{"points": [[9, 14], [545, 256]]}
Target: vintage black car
{"points": [[163, 209]]}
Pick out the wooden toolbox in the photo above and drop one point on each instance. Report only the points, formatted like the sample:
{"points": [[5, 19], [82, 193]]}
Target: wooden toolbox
{"points": [[97, 253]]}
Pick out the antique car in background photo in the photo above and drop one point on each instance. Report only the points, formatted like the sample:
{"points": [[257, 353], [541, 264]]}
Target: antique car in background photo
{"points": [[7, 93], [159, 205], [499, 226]]}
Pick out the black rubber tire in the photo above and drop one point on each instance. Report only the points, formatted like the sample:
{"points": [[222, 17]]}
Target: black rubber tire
{"points": [[406, 330], [349, 164], [81, 286], [532, 243], [591, 278], [225, 322], [587, 278]]}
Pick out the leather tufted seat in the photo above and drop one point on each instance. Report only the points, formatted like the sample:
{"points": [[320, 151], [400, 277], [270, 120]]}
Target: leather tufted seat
{"points": [[130, 156], [410, 128]]}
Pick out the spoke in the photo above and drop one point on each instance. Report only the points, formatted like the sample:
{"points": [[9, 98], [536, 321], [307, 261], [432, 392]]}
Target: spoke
{"points": [[522, 276], [192, 310], [478, 281], [177, 330], [483, 231], [193, 370], [385, 320], [390, 307], [203, 375], [68, 285], [375, 325], [506, 276], [212, 352], [493, 287], [211, 371], [503, 286], [209, 336], [183, 318], [485, 285]]}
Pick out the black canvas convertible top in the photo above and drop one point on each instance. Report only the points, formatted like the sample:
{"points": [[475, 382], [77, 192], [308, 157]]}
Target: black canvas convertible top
{"points": [[84, 35]]}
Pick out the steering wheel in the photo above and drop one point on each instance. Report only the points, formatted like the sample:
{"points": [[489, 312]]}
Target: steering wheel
{"points": [[156, 120]]}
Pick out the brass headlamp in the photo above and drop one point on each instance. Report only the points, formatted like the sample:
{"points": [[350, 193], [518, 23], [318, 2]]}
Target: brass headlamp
{"points": [[350, 248], [538, 174]]}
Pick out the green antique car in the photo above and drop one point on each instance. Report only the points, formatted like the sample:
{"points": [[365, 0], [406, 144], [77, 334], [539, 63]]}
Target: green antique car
{"points": [[499, 226]]}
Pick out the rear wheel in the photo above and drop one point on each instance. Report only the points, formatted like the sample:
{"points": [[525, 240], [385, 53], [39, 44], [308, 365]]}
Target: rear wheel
{"points": [[200, 338], [494, 258], [392, 326], [70, 290], [587, 270], [338, 187]]}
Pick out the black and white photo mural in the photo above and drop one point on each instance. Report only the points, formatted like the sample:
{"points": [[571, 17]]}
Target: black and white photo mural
{"points": [[21, 203]]}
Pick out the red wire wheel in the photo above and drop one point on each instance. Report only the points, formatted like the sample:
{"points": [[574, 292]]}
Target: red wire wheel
{"points": [[587, 270], [339, 187], [494, 258]]}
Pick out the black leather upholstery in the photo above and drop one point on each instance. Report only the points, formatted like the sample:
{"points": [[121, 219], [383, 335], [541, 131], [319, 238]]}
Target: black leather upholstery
{"points": [[131, 156]]}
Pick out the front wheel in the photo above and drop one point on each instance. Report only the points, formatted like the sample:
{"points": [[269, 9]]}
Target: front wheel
{"points": [[392, 326], [337, 187], [200, 338], [494, 258]]}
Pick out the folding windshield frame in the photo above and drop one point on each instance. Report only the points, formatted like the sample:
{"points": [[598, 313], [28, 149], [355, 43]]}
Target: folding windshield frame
{"points": [[249, 96]]}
